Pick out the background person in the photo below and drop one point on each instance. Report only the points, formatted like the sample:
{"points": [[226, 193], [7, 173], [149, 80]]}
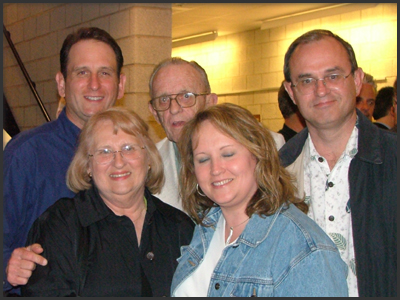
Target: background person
{"points": [[35, 162], [113, 238], [344, 166], [294, 121], [365, 100], [384, 112], [250, 238]]}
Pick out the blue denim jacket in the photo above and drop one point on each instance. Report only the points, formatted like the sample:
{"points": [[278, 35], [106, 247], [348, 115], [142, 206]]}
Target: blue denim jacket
{"points": [[286, 254]]}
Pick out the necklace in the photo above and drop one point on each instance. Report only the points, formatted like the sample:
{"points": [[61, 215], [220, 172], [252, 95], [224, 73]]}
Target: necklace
{"points": [[231, 230]]}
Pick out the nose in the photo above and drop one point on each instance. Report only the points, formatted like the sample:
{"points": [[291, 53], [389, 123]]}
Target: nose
{"points": [[320, 87], [94, 82], [174, 106], [118, 158], [362, 105], [216, 167]]}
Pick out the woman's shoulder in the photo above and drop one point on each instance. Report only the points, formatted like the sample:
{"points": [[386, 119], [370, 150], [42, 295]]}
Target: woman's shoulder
{"points": [[307, 229]]}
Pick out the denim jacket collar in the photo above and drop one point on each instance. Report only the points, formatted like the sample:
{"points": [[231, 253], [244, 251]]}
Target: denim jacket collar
{"points": [[255, 232]]}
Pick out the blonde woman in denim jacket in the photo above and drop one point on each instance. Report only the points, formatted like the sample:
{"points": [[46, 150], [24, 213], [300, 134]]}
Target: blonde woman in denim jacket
{"points": [[252, 236]]}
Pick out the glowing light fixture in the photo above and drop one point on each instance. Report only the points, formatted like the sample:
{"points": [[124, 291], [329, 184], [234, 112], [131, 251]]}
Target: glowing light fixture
{"points": [[315, 14], [194, 39]]}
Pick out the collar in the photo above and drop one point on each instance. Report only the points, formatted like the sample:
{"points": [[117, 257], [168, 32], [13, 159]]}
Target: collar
{"points": [[91, 208], [69, 130], [256, 231], [350, 150], [369, 140], [368, 147]]}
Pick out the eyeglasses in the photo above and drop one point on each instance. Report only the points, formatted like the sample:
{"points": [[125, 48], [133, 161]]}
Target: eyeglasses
{"points": [[308, 85], [106, 155], [183, 99]]}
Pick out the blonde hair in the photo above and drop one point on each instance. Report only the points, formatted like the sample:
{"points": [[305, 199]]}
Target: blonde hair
{"points": [[127, 121], [275, 184]]}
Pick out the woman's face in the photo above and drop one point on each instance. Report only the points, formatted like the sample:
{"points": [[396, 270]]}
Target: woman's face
{"points": [[224, 168], [120, 177]]}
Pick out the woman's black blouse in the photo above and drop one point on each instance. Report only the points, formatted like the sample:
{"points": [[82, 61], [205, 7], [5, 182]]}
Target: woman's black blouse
{"points": [[93, 252]]}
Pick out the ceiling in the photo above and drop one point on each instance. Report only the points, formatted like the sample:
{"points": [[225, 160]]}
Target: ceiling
{"points": [[228, 18]]}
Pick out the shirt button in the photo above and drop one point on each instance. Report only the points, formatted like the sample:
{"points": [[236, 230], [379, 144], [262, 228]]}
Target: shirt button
{"points": [[217, 286], [320, 159], [331, 218], [150, 255], [330, 184]]}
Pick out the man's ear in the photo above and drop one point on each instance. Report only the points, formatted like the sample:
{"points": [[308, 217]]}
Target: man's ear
{"points": [[288, 88], [358, 80], [211, 99], [60, 84], [121, 86], [392, 111], [154, 113]]}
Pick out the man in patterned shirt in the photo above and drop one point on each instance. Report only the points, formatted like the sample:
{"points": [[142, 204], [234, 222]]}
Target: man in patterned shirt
{"points": [[344, 165]]}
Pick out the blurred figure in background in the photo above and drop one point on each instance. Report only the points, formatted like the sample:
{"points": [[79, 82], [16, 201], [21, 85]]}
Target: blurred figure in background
{"points": [[366, 98], [384, 113], [394, 128], [294, 121]]}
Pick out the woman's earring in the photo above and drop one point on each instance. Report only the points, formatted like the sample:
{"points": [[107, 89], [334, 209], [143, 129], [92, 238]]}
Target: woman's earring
{"points": [[198, 190], [90, 175]]}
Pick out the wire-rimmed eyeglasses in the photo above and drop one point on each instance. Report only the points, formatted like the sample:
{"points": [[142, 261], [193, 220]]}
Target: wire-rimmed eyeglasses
{"points": [[106, 155], [308, 85], [187, 99]]}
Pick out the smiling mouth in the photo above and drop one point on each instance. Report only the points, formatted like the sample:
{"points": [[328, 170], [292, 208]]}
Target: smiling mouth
{"points": [[120, 175], [93, 98], [219, 183]]}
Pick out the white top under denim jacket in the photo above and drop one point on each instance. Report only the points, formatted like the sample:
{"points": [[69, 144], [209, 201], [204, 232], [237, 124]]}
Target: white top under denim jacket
{"points": [[286, 254]]}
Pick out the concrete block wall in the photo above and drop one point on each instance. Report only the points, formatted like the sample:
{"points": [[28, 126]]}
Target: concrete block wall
{"points": [[247, 68], [38, 30]]}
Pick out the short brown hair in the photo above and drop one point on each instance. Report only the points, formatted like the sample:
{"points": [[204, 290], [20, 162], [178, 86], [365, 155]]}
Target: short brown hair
{"points": [[316, 35], [275, 184], [89, 33], [127, 121]]}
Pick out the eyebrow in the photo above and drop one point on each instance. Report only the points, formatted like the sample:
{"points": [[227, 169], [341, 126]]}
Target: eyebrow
{"points": [[330, 70], [222, 148]]}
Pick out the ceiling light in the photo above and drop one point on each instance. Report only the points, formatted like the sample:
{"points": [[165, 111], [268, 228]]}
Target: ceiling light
{"points": [[315, 14], [196, 38]]}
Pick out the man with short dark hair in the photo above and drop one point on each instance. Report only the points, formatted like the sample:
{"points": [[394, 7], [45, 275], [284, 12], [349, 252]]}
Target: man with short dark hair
{"points": [[384, 113], [345, 167], [35, 162], [294, 121]]}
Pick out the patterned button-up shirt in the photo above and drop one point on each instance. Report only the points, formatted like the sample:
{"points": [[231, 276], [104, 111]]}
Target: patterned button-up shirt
{"points": [[327, 193]]}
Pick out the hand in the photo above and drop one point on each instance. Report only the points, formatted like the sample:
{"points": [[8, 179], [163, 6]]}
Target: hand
{"points": [[22, 262]]}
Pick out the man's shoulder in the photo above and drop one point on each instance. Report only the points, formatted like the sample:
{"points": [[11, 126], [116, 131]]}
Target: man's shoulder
{"points": [[278, 138], [32, 136], [165, 143]]}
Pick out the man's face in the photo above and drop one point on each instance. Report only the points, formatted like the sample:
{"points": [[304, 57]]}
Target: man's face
{"points": [[92, 83], [366, 100], [324, 107], [174, 79]]}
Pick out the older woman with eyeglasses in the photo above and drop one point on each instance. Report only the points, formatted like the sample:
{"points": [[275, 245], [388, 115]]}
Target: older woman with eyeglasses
{"points": [[114, 238]]}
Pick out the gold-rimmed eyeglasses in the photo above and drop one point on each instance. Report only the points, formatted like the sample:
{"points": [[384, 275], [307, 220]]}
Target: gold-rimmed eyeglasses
{"points": [[163, 103]]}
